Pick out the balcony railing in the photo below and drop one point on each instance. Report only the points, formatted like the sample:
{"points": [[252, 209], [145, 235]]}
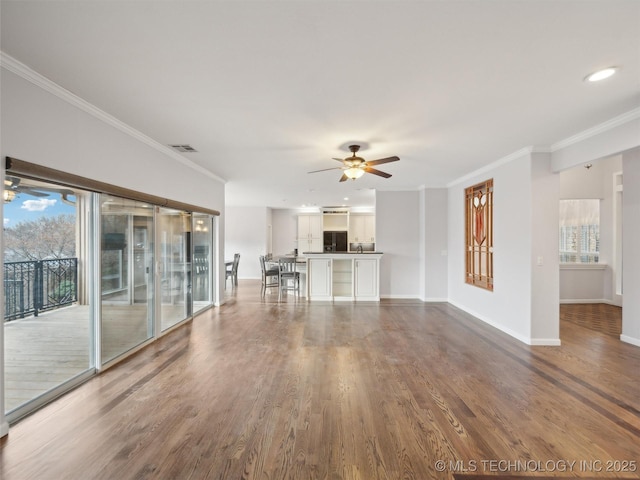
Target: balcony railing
{"points": [[34, 286]]}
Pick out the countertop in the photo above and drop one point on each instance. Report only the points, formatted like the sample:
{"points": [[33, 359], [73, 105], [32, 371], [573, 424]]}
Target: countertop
{"points": [[342, 253]]}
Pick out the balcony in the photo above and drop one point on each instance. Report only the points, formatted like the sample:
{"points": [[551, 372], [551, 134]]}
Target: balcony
{"points": [[32, 287], [46, 332]]}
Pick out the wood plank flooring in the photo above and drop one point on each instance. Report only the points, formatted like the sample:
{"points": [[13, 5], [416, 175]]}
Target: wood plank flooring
{"points": [[600, 317], [263, 390]]}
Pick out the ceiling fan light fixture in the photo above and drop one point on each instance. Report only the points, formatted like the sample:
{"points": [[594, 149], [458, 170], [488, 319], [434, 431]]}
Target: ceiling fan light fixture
{"points": [[8, 195], [354, 172]]}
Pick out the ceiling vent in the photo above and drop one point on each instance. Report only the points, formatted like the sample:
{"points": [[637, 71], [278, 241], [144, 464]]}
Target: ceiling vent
{"points": [[183, 148]]}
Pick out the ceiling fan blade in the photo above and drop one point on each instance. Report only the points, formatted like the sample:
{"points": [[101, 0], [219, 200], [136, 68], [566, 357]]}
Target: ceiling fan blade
{"points": [[343, 178], [338, 159], [11, 181], [377, 172], [383, 160], [30, 191], [325, 169]]}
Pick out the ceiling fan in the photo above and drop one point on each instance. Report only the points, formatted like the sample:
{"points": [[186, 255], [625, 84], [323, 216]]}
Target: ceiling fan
{"points": [[354, 166], [13, 186]]}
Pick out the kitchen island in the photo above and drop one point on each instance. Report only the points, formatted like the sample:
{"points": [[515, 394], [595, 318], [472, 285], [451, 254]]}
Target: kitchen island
{"points": [[343, 276]]}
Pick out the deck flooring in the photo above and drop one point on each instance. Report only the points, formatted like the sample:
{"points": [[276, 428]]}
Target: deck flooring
{"points": [[45, 351], [258, 389]]}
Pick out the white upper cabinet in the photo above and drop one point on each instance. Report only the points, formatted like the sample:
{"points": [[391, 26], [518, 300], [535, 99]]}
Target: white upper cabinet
{"points": [[310, 233], [309, 226], [362, 228]]}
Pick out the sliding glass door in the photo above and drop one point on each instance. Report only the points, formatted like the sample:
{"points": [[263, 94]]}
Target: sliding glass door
{"points": [[174, 237], [126, 275], [202, 256], [89, 277], [48, 335]]}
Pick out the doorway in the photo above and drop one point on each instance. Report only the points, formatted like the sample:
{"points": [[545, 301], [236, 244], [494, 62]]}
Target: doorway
{"points": [[591, 246]]}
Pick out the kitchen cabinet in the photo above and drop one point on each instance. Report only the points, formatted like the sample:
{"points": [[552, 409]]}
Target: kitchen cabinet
{"points": [[319, 278], [362, 228], [310, 233], [366, 278], [344, 276]]}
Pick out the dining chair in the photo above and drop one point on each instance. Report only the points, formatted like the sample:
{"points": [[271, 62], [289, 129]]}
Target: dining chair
{"points": [[270, 275], [289, 278], [232, 271]]}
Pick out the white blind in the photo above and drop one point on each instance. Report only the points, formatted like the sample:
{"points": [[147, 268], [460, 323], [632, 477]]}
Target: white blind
{"points": [[578, 212]]}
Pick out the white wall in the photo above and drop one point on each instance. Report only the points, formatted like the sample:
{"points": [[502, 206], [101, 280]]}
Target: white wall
{"points": [[41, 128], [630, 242], [508, 307], [433, 219], [545, 279], [285, 231], [246, 229], [398, 237], [44, 125]]}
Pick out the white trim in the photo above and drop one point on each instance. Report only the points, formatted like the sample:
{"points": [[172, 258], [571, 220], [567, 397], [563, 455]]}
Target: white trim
{"points": [[23, 71], [545, 342], [598, 129], [47, 397], [419, 188], [569, 301], [631, 340], [435, 300], [401, 297], [579, 137], [502, 328], [491, 166], [583, 266]]}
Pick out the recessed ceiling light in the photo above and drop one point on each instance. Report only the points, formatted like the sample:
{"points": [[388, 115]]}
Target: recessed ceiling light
{"points": [[346, 198], [600, 74]]}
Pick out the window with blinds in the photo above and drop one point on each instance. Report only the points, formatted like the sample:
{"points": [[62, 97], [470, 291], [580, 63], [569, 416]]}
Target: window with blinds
{"points": [[580, 230]]}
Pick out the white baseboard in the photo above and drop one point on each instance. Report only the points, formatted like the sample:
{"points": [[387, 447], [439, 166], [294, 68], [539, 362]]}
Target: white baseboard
{"points": [[631, 340], [548, 342], [502, 328], [435, 300], [569, 301], [401, 297]]}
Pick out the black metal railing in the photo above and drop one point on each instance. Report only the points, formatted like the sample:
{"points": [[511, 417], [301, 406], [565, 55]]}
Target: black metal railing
{"points": [[34, 286]]}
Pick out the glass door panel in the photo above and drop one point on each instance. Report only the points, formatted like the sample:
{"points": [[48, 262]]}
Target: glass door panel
{"points": [[202, 271], [174, 238], [47, 271], [126, 275]]}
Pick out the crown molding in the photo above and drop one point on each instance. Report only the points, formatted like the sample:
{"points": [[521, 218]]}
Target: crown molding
{"points": [[598, 129], [11, 64], [509, 158], [590, 132]]}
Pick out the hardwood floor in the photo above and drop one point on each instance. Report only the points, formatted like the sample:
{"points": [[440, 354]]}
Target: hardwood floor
{"points": [[263, 390], [600, 317]]}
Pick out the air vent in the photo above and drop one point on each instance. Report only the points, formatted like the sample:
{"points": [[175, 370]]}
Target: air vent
{"points": [[184, 148]]}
